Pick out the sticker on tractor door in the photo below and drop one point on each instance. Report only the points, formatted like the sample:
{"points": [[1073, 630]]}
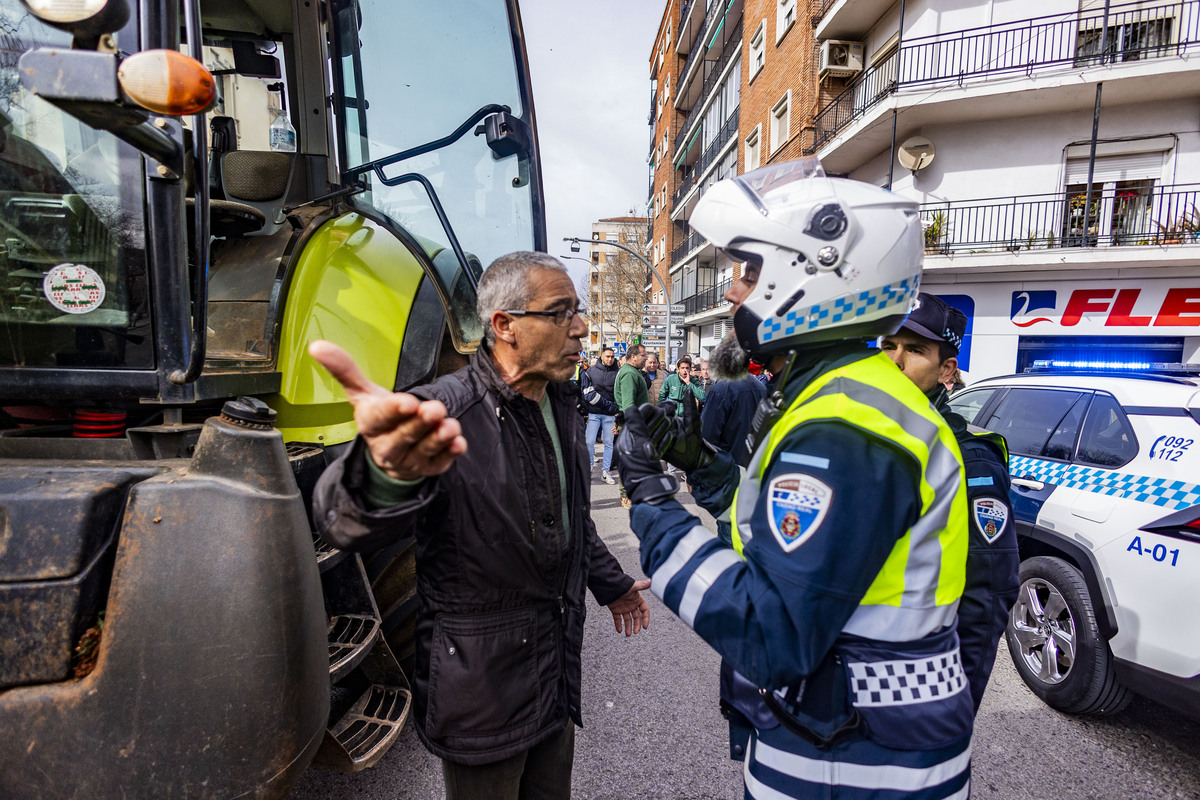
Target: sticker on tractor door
{"points": [[73, 288], [990, 516], [796, 505]]}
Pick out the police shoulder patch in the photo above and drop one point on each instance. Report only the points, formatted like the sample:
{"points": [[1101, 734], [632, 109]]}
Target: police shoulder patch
{"points": [[796, 506], [990, 516]]}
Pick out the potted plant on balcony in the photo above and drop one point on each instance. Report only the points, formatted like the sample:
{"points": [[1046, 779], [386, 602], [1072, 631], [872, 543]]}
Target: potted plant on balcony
{"points": [[935, 229], [1184, 229]]}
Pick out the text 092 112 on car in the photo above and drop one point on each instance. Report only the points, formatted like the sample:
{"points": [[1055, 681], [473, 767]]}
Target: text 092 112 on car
{"points": [[1107, 508]]}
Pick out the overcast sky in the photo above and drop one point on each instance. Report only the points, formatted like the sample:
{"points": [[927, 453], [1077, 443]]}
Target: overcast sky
{"points": [[590, 65]]}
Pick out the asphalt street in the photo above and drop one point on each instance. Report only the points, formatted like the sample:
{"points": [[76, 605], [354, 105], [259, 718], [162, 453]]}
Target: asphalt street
{"points": [[652, 730]]}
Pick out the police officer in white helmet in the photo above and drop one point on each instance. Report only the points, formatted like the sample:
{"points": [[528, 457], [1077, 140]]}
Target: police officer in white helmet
{"points": [[834, 610]]}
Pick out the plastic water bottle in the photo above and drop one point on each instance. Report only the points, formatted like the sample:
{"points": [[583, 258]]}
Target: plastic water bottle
{"points": [[281, 134]]}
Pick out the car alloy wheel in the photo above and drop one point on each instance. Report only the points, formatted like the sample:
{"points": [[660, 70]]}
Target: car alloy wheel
{"points": [[1056, 644], [1044, 630]]}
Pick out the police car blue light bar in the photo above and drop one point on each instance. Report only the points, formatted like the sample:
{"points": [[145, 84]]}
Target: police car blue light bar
{"points": [[1157, 367]]}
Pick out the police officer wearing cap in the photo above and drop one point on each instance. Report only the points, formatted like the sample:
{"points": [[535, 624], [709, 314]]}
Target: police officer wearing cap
{"points": [[834, 608], [926, 350]]}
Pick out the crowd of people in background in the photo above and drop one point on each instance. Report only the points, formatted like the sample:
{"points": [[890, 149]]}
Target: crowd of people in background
{"points": [[724, 387]]}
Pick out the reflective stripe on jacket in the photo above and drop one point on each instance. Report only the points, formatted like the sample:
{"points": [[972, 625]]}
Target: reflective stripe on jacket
{"points": [[916, 592]]}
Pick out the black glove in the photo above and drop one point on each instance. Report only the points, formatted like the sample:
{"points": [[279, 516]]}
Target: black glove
{"points": [[660, 424], [638, 464], [686, 448]]}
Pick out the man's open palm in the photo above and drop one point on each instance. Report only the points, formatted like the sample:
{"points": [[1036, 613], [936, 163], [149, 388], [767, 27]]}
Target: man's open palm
{"points": [[407, 438]]}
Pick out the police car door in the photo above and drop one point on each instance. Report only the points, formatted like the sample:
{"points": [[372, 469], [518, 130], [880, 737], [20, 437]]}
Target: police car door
{"points": [[1041, 426], [1149, 545]]}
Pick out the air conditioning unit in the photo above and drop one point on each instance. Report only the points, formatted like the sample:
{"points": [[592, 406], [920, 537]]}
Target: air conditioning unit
{"points": [[840, 59]]}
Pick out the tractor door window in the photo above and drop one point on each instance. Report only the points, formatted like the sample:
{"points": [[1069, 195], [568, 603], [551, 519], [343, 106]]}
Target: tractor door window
{"points": [[411, 73], [73, 289]]}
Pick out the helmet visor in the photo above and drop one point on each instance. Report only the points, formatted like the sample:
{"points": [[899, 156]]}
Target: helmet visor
{"points": [[760, 182]]}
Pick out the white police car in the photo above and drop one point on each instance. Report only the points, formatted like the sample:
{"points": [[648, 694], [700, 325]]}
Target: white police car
{"points": [[1106, 498]]}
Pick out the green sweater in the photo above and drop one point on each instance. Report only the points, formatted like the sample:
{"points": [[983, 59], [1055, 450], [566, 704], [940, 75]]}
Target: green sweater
{"points": [[630, 388]]}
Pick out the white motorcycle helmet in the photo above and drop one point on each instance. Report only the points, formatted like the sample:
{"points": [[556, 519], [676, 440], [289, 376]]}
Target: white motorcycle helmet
{"points": [[839, 259]]}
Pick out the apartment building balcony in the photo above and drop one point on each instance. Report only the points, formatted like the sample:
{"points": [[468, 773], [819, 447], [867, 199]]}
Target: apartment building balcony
{"points": [[695, 116], [692, 16], [694, 246], [706, 303], [848, 19], [1131, 228], [1011, 70], [717, 36], [692, 185]]}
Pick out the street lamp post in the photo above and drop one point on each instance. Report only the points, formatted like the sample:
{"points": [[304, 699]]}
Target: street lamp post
{"points": [[588, 261], [574, 240]]}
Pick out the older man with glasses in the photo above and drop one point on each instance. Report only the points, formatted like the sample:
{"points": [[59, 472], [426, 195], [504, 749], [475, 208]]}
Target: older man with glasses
{"points": [[487, 467]]}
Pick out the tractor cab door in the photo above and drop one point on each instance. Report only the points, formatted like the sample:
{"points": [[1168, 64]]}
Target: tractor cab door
{"points": [[435, 119]]}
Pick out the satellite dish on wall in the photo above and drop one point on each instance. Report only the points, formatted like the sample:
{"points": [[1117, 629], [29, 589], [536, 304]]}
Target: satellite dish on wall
{"points": [[915, 153]]}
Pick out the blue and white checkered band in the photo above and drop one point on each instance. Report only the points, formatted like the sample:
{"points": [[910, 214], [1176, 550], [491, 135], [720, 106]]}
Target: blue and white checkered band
{"points": [[904, 682], [952, 337], [842, 309], [1156, 491]]}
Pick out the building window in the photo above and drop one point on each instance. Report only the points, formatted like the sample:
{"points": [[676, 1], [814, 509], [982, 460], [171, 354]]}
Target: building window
{"points": [[758, 51], [1146, 35], [781, 122], [753, 157], [1124, 207], [667, 88], [785, 15]]}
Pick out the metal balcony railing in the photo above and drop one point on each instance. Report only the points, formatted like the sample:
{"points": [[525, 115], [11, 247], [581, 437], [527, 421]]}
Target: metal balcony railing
{"points": [[1130, 32], [692, 174], [728, 131], [706, 299], [701, 43], [693, 241], [734, 47], [686, 181], [1159, 215], [821, 10]]}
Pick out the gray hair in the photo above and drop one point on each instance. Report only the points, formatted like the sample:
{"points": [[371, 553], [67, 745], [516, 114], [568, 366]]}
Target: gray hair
{"points": [[728, 361], [505, 284]]}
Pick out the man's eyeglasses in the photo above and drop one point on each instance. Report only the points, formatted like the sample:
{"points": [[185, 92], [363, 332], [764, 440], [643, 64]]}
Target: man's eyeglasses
{"points": [[562, 318]]}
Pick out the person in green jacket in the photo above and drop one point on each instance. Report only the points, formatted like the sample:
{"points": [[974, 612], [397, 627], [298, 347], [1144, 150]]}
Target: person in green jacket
{"points": [[680, 381], [630, 389]]}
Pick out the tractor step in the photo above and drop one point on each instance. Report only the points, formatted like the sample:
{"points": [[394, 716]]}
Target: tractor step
{"points": [[328, 556], [361, 736], [351, 637]]}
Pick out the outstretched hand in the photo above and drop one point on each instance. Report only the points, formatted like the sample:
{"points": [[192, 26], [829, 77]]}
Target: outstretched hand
{"points": [[407, 438], [630, 611]]}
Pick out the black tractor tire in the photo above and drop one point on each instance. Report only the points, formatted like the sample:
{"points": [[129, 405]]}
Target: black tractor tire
{"points": [[393, 575], [1056, 645]]}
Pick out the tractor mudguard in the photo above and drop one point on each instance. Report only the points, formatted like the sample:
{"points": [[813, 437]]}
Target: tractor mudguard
{"points": [[212, 678]]}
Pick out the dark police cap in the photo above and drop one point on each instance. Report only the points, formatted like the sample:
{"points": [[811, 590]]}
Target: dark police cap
{"points": [[934, 319]]}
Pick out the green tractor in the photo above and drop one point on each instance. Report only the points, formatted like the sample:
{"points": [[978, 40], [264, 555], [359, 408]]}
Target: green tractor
{"points": [[192, 191]]}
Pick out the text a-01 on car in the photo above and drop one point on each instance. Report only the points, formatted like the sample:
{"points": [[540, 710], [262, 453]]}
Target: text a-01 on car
{"points": [[1106, 502]]}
